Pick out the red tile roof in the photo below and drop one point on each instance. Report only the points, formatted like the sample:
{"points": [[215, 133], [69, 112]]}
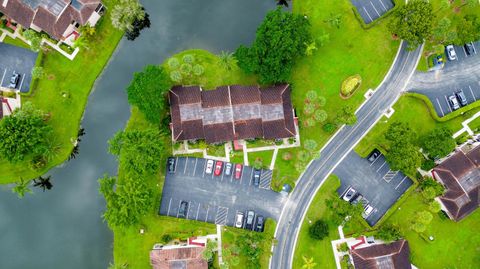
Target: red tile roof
{"points": [[383, 256], [174, 258]]}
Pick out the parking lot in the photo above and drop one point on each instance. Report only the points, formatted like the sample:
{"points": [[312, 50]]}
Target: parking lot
{"points": [[371, 10], [374, 181], [16, 59], [217, 199], [462, 74]]}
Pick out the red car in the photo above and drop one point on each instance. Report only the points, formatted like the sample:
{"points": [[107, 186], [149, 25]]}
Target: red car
{"points": [[238, 171], [218, 168]]}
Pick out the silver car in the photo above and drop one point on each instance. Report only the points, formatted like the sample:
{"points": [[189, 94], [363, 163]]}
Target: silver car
{"points": [[239, 220], [451, 53], [452, 99]]}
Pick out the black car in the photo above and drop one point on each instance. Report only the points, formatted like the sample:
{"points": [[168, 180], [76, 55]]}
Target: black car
{"points": [[256, 177], [260, 224], [183, 210], [469, 48], [356, 199], [250, 218], [374, 155], [171, 165], [461, 98], [14, 80]]}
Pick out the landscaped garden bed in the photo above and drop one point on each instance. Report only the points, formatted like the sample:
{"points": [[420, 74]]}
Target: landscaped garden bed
{"points": [[350, 85]]}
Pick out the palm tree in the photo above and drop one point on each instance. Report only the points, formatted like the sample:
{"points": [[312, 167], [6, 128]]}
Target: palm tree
{"points": [[22, 188], [227, 60], [43, 182], [81, 132], [308, 263], [74, 152], [282, 3]]}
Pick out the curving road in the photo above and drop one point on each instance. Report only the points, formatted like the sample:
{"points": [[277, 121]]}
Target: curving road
{"points": [[333, 153]]}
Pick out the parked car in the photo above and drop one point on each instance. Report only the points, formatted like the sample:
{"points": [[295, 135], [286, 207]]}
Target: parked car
{"points": [[238, 171], [451, 53], [256, 177], [249, 220], [374, 155], [14, 80], [239, 220], [260, 223], [356, 199], [469, 48], [228, 169], [209, 167], [453, 102], [349, 194], [461, 98], [367, 211], [218, 168], [183, 210], [171, 165]]}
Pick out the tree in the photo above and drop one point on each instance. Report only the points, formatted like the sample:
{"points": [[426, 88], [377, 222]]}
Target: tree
{"points": [[87, 33], [146, 91], [320, 115], [319, 230], [38, 72], [308, 263], [428, 182], [281, 39], [125, 13], [434, 207], [22, 188], [329, 127], [404, 157], [138, 25], [34, 38], [439, 142], [421, 221], [468, 30], [43, 182], [400, 132], [347, 115], [310, 145], [389, 233], [227, 60], [343, 209], [441, 32], [24, 134], [413, 22], [209, 250], [251, 247], [311, 96]]}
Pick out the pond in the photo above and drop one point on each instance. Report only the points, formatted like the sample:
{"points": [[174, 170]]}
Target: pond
{"points": [[62, 228]]}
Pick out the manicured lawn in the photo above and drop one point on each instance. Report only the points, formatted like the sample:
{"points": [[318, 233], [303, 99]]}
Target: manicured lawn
{"points": [[63, 94], [16, 42], [320, 251], [265, 157], [475, 124]]}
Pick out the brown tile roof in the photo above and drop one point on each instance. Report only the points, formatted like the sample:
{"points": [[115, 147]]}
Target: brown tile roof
{"points": [[46, 21], [460, 174], [178, 258], [231, 112], [19, 12], [383, 256]]}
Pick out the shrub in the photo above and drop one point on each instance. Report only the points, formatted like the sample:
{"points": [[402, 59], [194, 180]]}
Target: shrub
{"points": [[186, 69], [188, 58], [173, 63], [310, 145], [319, 230], [176, 76], [321, 101], [310, 122], [309, 109], [350, 84], [166, 238], [389, 233], [329, 127], [198, 70], [311, 95], [427, 165], [320, 115]]}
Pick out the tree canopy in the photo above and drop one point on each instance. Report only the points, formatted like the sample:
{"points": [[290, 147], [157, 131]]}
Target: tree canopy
{"points": [[146, 91], [439, 142], [347, 115], [413, 22], [343, 209], [319, 230], [24, 134], [468, 29], [389, 233], [403, 154], [281, 39], [125, 13]]}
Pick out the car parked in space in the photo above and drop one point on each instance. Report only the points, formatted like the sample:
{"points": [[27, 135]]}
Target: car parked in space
{"points": [[218, 168], [367, 211], [349, 194], [260, 223], [256, 177], [239, 220], [183, 210], [249, 220], [209, 167], [374, 155], [238, 171], [171, 165], [452, 99], [461, 98], [356, 199], [228, 169], [14, 80], [451, 53], [469, 48]]}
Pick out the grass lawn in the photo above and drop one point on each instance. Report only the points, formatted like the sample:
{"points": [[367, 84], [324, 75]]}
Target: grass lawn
{"points": [[475, 124], [320, 251], [265, 157], [16, 42], [73, 79]]}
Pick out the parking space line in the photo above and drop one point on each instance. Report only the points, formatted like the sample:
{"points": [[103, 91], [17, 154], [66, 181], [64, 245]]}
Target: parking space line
{"points": [[381, 166], [464, 51], [204, 167], [206, 216], [168, 210], [441, 109], [382, 4], [376, 159], [179, 203], [375, 8], [195, 167], [4, 72], [176, 163], [185, 167], [21, 83], [446, 100], [188, 209], [400, 182], [368, 14], [474, 49], [250, 181], [198, 210], [471, 91]]}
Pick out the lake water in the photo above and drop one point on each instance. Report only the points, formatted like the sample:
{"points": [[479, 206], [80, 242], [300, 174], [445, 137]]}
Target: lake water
{"points": [[62, 228]]}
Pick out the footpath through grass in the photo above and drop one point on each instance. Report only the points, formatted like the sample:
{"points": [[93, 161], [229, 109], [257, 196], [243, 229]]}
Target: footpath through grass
{"points": [[63, 93]]}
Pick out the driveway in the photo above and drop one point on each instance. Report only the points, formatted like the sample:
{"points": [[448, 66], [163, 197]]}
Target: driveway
{"points": [[462, 74], [375, 181], [216, 199], [20, 60], [371, 10]]}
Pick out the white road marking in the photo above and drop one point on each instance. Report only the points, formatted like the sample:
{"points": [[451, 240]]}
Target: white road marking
{"points": [[381, 166], [376, 159], [198, 210], [474, 49], [204, 167], [179, 203], [382, 4], [368, 14], [375, 8], [185, 167], [401, 182], [168, 210], [21, 82], [195, 167], [448, 105], [206, 216], [251, 175], [188, 209], [474, 98], [441, 109], [464, 51], [4, 72]]}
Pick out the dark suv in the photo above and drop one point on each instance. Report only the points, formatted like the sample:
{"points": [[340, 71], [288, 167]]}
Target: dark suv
{"points": [[374, 155], [250, 219], [469, 48], [461, 98], [171, 165], [14, 80], [256, 177], [260, 224], [183, 210]]}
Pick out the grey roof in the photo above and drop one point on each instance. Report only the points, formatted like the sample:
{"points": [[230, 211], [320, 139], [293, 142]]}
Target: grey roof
{"points": [[54, 6]]}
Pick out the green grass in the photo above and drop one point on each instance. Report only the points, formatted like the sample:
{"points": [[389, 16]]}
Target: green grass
{"points": [[263, 156], [16, 42], [475, 124], [320, 251], [74, 79]]}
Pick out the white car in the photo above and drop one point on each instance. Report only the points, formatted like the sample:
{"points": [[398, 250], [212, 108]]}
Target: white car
{"points": [[451, 53], [209, 167], [453, 102], [349, 194], [367, 210], [239, 220]]}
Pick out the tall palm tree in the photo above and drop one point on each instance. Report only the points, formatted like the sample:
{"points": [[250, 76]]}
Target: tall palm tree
{"points": [[227, 60], [22, 188], [308, 263], [43, 182]]}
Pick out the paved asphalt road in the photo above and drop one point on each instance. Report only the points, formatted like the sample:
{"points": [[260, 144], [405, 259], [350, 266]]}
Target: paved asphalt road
{"points": [[333, 153]]}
